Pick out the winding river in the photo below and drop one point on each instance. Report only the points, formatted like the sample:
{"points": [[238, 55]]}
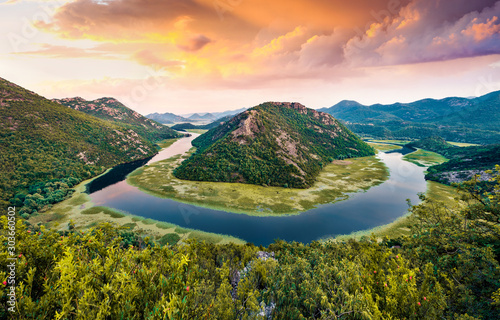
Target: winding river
{"points": [[363, 210]]}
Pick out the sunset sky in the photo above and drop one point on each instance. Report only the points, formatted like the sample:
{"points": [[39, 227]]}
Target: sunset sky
{"points": [[185, 56]]}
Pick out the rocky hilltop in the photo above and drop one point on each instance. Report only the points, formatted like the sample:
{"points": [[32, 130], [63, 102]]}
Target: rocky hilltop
{"points": [[275, 143], [113, 110]]}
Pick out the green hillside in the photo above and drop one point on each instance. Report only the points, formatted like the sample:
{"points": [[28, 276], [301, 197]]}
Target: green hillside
{"points": [[186, 126], [113, 110], [464, 161], [474, 120], [447, 267], [46, 148], [276, 144]]}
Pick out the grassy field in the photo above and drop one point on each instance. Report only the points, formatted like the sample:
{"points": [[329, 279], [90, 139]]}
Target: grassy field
{"points": [[390, 141], [462, 144], [199, 131], [424, 158], [336, 179], [383, 146], [166, 143], [80, 211]]}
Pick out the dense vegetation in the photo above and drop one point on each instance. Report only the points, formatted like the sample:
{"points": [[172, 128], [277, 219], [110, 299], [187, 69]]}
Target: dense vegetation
{"points": [[216, 123], [448, 268], [464, 161], [46, 148], [114, 111], [274, 144], [457, 119]]}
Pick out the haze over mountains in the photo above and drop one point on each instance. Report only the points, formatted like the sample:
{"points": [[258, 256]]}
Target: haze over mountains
{"points": [[277, 144], [169, 118]]}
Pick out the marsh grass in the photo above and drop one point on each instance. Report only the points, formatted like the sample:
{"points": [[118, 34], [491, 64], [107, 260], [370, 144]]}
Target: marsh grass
{"points": [[204, 236], [149, 221], [335, 180], [424, 158], [130, 226], [78, 200], [166, 143], [98, 209], [165, 225]]}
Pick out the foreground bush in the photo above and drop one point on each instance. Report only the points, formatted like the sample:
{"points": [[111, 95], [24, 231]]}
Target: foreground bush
{"points": [[447, 269]]}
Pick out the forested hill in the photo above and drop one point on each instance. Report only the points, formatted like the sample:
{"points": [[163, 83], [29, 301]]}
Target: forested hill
{"points": [[464, 163], [45, 147], [113, 110], [278, 144], [475, 120], [186, 126]]}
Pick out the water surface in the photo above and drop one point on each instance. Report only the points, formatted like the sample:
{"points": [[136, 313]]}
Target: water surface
{"points": [[364, 210]]}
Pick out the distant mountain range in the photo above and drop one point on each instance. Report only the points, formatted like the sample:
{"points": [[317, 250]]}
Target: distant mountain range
{"points": [[112, 110], [461, 119], [166, 118], [169, 118], [206, 116], [277, 144]]}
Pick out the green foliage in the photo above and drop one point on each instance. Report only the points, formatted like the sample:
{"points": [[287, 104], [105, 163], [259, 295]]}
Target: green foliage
{"points": [[278, 145], [110, 109], [169, 239], [216, 123], [446, 269], [456, 119], [478, 158], [48, 147]]}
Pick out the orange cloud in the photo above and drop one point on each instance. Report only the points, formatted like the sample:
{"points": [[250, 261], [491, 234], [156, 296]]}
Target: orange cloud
{"points": [[66, 52], [194, 43], [482, 31], [148, 58]]}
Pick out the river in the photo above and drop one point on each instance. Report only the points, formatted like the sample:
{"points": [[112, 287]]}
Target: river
{"points": [[377, 206]]}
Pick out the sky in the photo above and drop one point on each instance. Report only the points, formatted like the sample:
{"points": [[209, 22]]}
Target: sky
{"points": [[186, 56]]}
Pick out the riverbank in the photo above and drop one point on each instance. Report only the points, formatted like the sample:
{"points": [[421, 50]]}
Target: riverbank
{"points": [[80, 211], [84, 214], [435, 191], [333, 184]]}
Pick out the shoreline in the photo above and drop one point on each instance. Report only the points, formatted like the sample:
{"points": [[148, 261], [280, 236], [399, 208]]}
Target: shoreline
{"points": [[73, 208]]}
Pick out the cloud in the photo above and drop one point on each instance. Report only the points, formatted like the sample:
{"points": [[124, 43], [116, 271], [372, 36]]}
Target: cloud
{"points": [[428, 30], [148, 58], [65, 52], [194, 43]]}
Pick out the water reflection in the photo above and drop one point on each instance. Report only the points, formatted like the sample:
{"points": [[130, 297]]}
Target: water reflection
{"points": [[364, 210]]}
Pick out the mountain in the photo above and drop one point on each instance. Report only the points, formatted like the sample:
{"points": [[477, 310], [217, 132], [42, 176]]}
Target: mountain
{"points": [[166, 117], [47, 147], [224, 114], [278, 144], [184, 126], [112, 110], [475, 120], [198, 117]]}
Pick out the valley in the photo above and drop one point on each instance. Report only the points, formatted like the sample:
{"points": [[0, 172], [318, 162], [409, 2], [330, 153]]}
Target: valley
{"points": [[131, 208]]}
